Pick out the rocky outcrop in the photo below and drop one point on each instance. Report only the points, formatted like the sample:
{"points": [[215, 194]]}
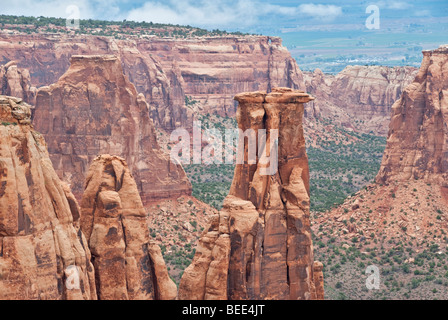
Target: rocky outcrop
{"points": [[165, 70], [94, 109], [214, 68], [16, 82], [128, 265], [363, 93], [319, 280], [417, 146], [43, 253], [259, 246]]}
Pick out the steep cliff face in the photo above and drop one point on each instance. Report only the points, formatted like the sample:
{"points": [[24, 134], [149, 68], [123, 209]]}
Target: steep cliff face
{"points": [[16, 82], [417, 146], [47, 57], [359, 97], [213, 69], [94, 109], [165, 70], [128, 265], [43, 253], [259, 246]]}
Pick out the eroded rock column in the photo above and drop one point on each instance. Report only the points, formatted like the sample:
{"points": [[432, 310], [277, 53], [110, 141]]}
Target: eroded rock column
{"points": [[260, 246], [128, 265]]}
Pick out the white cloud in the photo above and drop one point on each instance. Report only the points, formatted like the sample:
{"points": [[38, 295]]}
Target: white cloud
{"points": [[321, 11], [220, 13], [398, 5], [422, 13], [202, 13], [57, 8], [394, 5]]}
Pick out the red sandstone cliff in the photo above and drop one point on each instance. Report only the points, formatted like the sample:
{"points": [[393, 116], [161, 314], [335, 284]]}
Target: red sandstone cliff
{"points": [[94, 109], [417, 146], [259, 246], [43, 253], [210, 69], [16, 82], [359, 97], [213, 69]]}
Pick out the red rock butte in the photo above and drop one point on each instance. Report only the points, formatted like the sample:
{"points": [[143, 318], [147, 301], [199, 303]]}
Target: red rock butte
{"points": [[259, 246], [417, 145], [94, 109]]}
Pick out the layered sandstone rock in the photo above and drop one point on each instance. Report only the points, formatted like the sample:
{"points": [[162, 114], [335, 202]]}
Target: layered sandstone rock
{"points": [[16, 82], [259, 246], [363, 93], [43, 253], [214, 68], [417, 146], [47, 57], [128, 265], [94, 109], [165, 70]]}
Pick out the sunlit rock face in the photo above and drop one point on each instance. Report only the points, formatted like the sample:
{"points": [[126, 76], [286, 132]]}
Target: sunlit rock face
{"points": [[43, 253], [417, 145], [259, 246], [94, 109], [128, 265]]}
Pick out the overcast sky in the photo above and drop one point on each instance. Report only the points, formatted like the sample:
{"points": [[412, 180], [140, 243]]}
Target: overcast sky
{"points": [[244, 15]]}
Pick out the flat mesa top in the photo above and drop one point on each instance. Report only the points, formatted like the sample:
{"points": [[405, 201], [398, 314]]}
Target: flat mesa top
{"points": [[278, 95]]}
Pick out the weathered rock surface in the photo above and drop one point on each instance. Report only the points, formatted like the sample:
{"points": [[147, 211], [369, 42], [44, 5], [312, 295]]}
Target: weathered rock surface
{"points": [[94, 109], [16, 82], [212, 69], [165, 70], [48, 58], [417, 145], [43, 253], [128, 265], [409, 199], [359, 97], [259, 246]]}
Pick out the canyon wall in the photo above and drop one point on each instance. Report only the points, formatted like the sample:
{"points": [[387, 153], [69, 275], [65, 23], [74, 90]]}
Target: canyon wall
{"points": [[214, 68], [43, 253], [207, 71], [165, 70], [16, 82], [417, 145], [94, 109], [259, 246], [359, 97]]}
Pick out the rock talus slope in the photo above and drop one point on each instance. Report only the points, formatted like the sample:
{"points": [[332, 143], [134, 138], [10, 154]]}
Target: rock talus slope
{"points": [[417, 145], [259, 246], [43, 253], [128, 265], [94, 109]]}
